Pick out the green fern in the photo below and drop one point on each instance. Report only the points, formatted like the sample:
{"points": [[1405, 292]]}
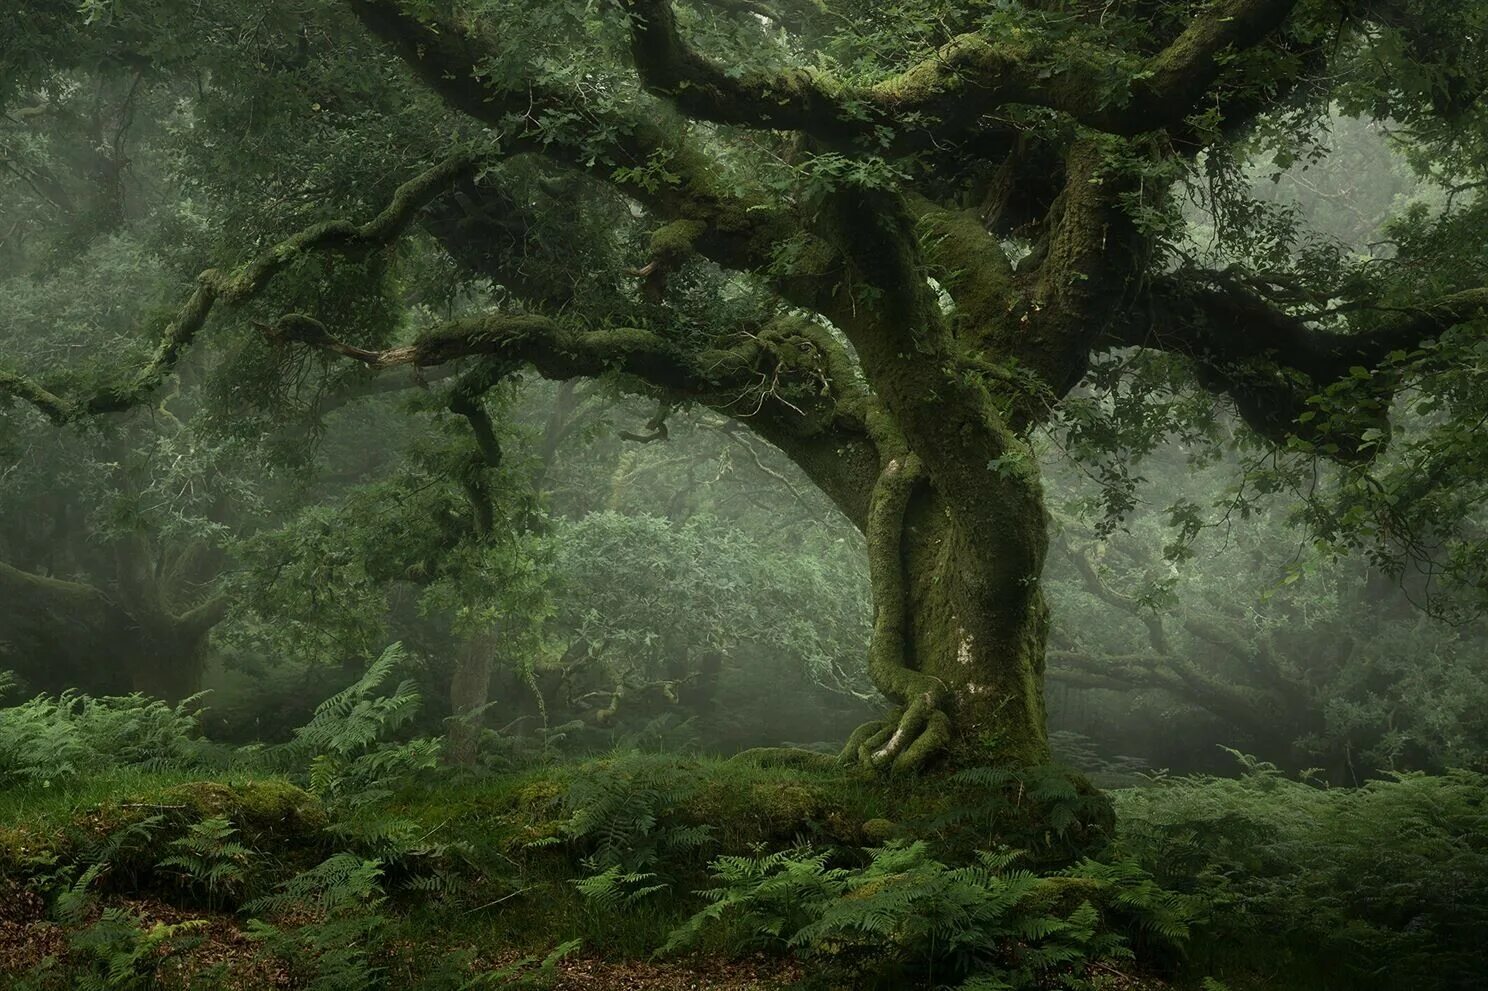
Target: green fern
{"points": [[526, 974], [762, 900], [360, 715], [626, 811], [123, 956], [124, 849], [616, 888], [335, 950], [47, 741], [906, 919], [75, 898], [347, 744], [1388, 882], [209, 859]]}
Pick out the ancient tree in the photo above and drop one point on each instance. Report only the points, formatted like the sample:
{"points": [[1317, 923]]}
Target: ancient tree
{"points": [[948, 231]]}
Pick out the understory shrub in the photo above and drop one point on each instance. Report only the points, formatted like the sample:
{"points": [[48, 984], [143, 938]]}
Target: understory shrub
{"points": [[906, 919], [1382, 886], [871, 885], [47, 741]]}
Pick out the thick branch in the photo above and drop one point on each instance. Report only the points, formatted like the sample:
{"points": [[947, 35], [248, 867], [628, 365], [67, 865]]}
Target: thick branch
{"points": [[1251, 709], [206, 615], [236, 287], [1220, 321], [1271, 362], [952, 90], [734, 230], [369, 383], [771, 379]]}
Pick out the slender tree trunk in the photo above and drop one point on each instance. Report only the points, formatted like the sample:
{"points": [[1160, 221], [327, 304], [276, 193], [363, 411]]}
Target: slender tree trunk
{"points": [[470, 688]]}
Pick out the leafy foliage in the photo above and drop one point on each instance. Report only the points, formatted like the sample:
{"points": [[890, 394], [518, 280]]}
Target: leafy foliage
{"points": [[50, 740], [1384, 883], [638, 592], [906, 918]]}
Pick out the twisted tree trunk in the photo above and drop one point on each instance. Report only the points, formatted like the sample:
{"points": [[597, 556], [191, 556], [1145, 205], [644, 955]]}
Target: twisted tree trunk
{"points": [[957, 649]]}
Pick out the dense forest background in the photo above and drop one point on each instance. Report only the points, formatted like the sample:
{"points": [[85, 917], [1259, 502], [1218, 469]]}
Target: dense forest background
{"points": [[743, 494]]}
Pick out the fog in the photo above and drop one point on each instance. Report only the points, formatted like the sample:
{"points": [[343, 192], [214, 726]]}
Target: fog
{"points": [[742, 495]]}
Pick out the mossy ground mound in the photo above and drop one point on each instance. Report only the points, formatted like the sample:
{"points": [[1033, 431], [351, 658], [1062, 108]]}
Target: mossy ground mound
{"points": [[131, 823], [1052, 814], [491, 866]]}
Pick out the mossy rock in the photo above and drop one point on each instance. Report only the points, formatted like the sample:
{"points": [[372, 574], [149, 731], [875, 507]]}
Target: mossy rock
{"points": [[285, 824], [540, 796], [783, 804], [752, 812], [1062, 895], [266, 812], [529, 836], [25, 851], [877, 832]]}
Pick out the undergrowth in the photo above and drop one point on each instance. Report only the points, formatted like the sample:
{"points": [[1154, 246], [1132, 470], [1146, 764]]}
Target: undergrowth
{"points": [[1382, 886], [349, 858]]}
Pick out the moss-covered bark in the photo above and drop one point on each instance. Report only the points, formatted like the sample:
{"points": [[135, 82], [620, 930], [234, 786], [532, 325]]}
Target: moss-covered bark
{"points": [[168, 663], [59, 634], [964, 670], [470, 690]]}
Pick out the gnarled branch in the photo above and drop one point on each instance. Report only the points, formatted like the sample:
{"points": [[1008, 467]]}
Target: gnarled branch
{"points": [[236, 287], [952, 90], [1271, 361]]}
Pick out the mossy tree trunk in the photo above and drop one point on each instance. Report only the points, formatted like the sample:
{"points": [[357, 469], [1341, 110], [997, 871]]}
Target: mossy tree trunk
{"points": [[169, 655], [956, 526], [959, 652], [58, 634]]}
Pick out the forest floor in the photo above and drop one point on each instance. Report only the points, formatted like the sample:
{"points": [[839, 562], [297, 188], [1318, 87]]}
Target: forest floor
{"points": [[471, 873], [236, 880], [31, 944]]}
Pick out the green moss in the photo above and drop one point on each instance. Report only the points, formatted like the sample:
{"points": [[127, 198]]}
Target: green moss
{"points": [[271, 809], [138, 817], [540, 795], [673, 242]]}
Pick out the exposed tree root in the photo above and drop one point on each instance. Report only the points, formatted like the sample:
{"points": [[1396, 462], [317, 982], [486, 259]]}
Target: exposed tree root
{"points": [[919, 729], [902, 744]]}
